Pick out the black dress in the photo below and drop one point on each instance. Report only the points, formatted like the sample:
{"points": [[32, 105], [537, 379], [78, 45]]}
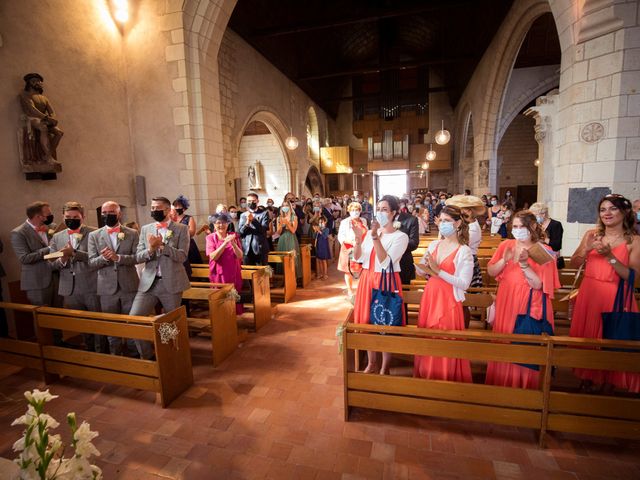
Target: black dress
{"points": [[193, 256]]}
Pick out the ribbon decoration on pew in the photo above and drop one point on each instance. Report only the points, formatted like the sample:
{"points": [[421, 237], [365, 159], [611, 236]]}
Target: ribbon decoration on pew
{"points": [[269, 270], [168, 333], [340, 336], [233, 295]]}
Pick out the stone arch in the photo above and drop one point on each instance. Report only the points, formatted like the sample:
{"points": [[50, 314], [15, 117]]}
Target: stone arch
{"points": [[313, 182], [313, 136], [279, 130], [504, 49]]}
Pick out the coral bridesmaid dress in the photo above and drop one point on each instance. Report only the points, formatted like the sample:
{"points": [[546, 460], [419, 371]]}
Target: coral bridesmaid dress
{"points": [[511, 300], [440, 310]]}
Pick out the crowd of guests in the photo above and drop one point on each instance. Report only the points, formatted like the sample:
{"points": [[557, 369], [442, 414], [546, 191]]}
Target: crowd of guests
{"points": [[126, 269]]}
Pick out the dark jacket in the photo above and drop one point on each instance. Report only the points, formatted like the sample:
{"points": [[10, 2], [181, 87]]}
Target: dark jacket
{"points": [[254, 234], [555, 232], [408, 225]]}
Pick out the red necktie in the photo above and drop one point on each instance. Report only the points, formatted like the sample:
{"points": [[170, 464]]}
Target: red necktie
{"points": [[73, 232], [161, 225], [42, 229], [113, 230]]}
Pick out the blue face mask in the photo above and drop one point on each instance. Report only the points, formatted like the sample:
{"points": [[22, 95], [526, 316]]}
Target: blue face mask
{"points": [[447, 229], [382, 218], [316, 209], [540, 219], [638, 215], [285, 209]]}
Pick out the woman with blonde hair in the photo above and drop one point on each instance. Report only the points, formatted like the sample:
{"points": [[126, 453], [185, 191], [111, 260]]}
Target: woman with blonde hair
{"points": [[449, 264], [471, 207], [346, 237]]}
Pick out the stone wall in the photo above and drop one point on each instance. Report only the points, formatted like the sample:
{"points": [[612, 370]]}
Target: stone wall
{"points": [[266, 150], [516, 154]]}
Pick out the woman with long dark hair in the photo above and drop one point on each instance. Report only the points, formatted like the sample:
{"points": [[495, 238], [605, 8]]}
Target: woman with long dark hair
{"points": [[382, 246], [609, 252], [520, 278]]}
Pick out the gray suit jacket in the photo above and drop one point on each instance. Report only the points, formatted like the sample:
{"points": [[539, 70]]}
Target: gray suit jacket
{"points": [[76, 277], [170, 260], [113, 275], [30, 250]]}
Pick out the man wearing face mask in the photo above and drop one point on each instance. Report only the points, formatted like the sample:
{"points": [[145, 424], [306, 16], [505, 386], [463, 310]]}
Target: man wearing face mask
{"points": [[78, 280], [163, 246], [252, 228], [441, 203], [30, 242], [409, 226], [112, 252]]}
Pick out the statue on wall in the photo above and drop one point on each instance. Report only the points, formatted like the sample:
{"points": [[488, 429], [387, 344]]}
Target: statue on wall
{"points": [[38, 135], [253, 175]]}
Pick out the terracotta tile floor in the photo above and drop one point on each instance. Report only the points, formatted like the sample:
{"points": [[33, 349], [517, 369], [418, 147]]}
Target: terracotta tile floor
{"points": [[274, 410]]}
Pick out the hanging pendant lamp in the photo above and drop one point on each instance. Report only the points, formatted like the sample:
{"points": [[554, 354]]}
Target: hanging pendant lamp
{"points": [[431, 154], [291, 142], [443, 136]]}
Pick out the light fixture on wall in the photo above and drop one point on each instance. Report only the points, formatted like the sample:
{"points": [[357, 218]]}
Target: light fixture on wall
{"points": [[425, 166], [537, 162], [431, 154], [291, 142], [349, 170], [442, 136], [120, 13]]}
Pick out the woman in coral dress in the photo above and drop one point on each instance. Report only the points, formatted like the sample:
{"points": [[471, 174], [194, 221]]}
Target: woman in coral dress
{"points": [[225, 255], [382, 245], [610, 251], [517, 275], [449, 262]]}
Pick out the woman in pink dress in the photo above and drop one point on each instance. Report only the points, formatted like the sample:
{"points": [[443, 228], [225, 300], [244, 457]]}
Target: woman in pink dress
{"points": [[382, 245], [449, 263], [517, 274], [610, 251], [225, 254]]}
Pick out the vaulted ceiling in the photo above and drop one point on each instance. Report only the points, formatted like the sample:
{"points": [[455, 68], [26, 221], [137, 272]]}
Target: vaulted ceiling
{"points": [[325, 46]]}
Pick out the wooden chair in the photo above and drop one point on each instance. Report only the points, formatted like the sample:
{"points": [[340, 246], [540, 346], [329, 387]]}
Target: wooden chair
{"points": [[169, 374]]}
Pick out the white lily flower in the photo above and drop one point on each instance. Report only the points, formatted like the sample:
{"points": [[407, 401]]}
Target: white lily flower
{"points": [[38, 396], [83, 436], [28, 418]]}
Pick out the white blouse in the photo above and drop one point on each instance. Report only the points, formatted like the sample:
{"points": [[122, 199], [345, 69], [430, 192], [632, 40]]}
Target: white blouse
{"points": [[475, 236], [345, 231], [463, 274], [394, 244]]}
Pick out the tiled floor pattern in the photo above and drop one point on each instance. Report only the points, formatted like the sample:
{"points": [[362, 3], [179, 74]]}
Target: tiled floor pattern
{"points": [[274, 410]]}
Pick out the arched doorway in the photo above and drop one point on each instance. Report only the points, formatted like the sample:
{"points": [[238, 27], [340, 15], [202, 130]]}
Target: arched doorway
{"points": [[313, 137], [262, 165], [313, 183]]}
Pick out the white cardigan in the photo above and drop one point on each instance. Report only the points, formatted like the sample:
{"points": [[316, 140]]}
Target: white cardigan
{"points": [[475, 236], [394, 244], [463, 274], [345, 231]]}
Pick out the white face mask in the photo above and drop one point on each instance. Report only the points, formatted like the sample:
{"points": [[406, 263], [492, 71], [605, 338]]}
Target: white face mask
{"points": [[382, 218], [521, 234], [354, 214], [447, 229]]}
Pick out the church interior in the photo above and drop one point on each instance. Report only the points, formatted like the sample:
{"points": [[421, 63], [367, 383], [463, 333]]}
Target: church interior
{"points": [[243, 110]]}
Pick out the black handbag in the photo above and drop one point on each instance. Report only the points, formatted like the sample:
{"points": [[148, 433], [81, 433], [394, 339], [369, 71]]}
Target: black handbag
{"points": [[527, 325], [621, 323], [386, 304]]}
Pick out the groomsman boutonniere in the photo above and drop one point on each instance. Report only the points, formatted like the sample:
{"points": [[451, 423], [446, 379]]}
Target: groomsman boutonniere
{"points": [[168, 236], [78, 237], [120, 236], [50, 232]]}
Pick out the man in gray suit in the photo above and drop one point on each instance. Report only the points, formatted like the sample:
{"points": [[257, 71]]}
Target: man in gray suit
{"points": [[30, 242], [163, 246], [112, 251], [77, 279]]}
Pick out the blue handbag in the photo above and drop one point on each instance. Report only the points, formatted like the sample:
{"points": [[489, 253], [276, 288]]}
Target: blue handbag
{"points": [[386, 304], [622, 324], [527, 325]]}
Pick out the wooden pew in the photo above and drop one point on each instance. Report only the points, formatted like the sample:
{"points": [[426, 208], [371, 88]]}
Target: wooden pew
{"points": [[169, 374], [287, 292], [23, 353], [305, 263], [544, 409], [260, 304], [222, 321]]}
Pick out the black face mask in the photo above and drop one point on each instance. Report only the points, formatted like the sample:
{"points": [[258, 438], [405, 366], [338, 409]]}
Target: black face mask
{"points": [[72, 223], [110, 219], [252, 205], [179, 211], [49, 220], [158, 215]]}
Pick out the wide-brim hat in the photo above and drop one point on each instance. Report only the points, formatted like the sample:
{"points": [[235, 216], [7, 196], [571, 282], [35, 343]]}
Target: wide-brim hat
{"points": [[467, 201]]}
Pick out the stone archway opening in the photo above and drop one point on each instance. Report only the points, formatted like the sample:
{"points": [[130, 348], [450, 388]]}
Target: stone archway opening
{"points": [[535, 71], [262, 165]]}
